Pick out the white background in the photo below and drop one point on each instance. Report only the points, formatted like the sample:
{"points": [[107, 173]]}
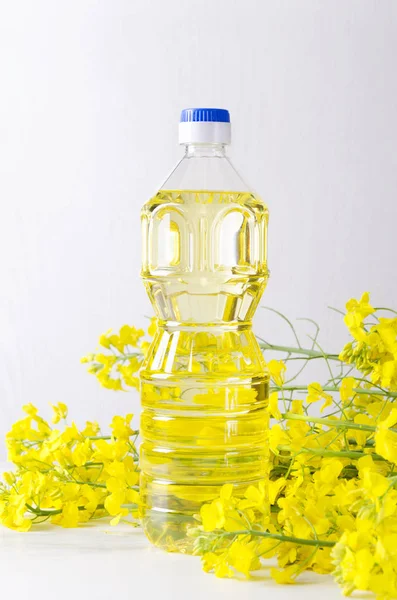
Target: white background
{"points": [[90, 94], [101, 562]]}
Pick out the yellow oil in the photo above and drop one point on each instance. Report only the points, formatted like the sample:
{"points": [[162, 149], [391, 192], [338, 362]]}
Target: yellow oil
{"points": [[204, 383]]}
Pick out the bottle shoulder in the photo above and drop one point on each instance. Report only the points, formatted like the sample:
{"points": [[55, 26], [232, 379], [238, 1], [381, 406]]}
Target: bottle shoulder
{"points": [[206, 170], [214, 199]]}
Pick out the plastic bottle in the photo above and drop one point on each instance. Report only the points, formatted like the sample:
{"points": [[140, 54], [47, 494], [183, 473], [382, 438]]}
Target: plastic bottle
{"points": [[204, 383]]}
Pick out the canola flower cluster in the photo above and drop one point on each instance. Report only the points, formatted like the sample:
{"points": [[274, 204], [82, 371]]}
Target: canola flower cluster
{"points": [[67, 475], [332, 485], [116, 369], [333, 479]]}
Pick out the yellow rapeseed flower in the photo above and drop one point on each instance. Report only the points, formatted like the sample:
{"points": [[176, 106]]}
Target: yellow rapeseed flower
{"points": [[277, 369], [273, 406], [386, 438]]}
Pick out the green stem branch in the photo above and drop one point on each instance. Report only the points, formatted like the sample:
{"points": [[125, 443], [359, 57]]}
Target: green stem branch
{"points": [[354, 454], [334, 388], [294, 350], [282, 538], [329, 422]]}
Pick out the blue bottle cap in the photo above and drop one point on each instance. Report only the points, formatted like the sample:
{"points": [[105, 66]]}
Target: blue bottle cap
{"points": [[205, 115], [205, 126]]}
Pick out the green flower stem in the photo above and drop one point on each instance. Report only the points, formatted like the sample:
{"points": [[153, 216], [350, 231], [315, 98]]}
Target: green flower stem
{"points": [[90, 483], [99, 485], [41, 512], [333, 388], [354, 454], [303, 351], [329, 422], [127, 355], [282, 538], [109, 437], [89, 437]]}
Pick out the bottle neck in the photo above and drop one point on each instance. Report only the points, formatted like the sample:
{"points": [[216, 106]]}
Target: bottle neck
{"points": [[205, 150]]}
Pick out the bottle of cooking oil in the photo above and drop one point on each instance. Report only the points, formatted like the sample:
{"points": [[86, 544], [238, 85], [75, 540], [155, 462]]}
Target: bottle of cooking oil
{"points": [[204, 382]]}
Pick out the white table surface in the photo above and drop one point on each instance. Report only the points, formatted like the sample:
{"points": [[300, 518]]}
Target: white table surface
{"points": [[99, 561]]}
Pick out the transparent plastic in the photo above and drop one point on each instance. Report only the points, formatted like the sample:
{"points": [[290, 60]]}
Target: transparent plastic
{"points": [[204, 383]]}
